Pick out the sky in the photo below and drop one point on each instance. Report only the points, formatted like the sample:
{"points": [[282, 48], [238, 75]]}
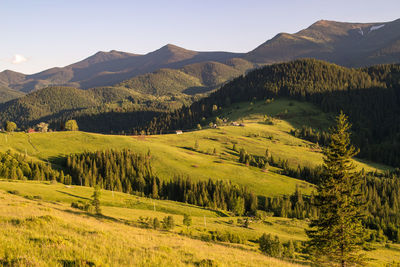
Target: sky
{"points": [[41, 34]]}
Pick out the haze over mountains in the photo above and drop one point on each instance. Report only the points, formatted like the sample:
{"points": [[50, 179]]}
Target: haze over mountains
{"points": [[179, 69]]}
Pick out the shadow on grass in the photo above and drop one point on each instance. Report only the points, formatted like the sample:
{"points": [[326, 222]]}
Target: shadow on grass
{"points": [[76, 263], [72, 195], [97, 216]]}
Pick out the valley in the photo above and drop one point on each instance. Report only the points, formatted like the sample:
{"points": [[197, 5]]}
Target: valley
{"points": [[285, 152]]}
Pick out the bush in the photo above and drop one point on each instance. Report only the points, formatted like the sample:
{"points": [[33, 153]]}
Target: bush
{"points": [[187, 220], [156, 223], [226, 237], [80, 205], [33, 197], [271, 247], [168, 223], [288, 251], [146, 222]]}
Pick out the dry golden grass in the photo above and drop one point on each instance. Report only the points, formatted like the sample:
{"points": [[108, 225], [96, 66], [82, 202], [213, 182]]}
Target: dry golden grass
{"points": [[38, 233]]}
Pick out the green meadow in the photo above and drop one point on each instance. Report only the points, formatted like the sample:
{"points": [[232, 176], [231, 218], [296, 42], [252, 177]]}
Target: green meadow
{"points": [[174, 154]]}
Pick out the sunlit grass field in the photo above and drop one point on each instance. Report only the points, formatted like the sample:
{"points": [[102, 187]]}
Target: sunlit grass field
{"points": [[38, 227]]}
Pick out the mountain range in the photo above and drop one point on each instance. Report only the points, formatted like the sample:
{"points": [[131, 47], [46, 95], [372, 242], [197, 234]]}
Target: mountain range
{"points": [[172, 69]]}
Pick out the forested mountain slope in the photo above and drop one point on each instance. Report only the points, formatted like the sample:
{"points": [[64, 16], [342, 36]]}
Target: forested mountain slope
{"points": [[333, 88]]}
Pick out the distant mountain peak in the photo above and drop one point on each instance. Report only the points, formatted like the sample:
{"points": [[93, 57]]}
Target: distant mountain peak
{"points": [[173, 48], [344, 43]]}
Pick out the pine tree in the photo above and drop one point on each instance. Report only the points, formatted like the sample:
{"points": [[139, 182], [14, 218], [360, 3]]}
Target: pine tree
{"points": [[337, 235], [289, 250], [187, 220], [96, 200]]}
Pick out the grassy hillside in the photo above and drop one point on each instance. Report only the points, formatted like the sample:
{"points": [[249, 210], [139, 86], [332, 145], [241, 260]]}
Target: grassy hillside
{"points": [[73, 236], [7, 94], [175, 154], [161, 82], [191, 79]]}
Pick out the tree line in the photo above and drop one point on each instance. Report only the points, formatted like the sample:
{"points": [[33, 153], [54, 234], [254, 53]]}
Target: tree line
{"points": [[129, 172], [20, 167]]}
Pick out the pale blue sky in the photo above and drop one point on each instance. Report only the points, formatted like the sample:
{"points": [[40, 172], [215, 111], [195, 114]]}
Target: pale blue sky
{"points": [[50, 33]]}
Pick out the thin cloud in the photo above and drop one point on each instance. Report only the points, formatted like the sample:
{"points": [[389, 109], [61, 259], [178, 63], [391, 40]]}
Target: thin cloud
{"points": [[18, 59]]}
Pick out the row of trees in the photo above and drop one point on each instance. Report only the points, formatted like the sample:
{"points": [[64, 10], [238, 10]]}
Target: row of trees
{"points": [[308, 133], [17, 166], [129, 172], [69, 125], [311, 175]]}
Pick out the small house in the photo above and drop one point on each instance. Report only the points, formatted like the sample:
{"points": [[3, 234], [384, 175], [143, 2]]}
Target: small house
{"points": [[178, 132]]}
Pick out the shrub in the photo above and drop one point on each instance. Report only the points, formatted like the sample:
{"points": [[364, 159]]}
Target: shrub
{"points": [[226, 237], [156, 223], [145, 222], [187, 220], [80, 205], [271, 247], [168, 223]]}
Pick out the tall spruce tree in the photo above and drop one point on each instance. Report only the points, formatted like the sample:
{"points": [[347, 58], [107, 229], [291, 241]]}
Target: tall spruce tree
{"points": [[337, 235]]}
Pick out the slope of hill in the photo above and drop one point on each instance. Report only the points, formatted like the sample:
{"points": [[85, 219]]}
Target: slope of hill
{"points": [[347, 44], [99, 105], [7, 94], [331, 87], [125, 238], [72, 236], [46, 102], [191, 79]]}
